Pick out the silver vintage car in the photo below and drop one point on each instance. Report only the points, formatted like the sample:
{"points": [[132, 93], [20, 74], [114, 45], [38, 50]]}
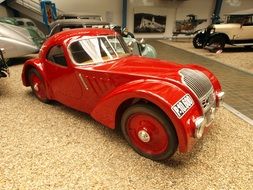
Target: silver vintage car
{"points": [[16, 41]]}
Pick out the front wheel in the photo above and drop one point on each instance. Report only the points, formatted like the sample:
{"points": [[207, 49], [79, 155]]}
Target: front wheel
{"points": [[217, 43], [149, 132], [198, 41], [38, 86]]}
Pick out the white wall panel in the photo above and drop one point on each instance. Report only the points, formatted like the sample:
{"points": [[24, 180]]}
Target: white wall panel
{"points": [[173, 10], [111, 10], [230, 6], [106, 8]]}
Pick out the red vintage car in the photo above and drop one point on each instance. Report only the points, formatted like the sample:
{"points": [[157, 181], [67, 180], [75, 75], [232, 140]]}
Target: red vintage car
{"points": [[160, 106]]}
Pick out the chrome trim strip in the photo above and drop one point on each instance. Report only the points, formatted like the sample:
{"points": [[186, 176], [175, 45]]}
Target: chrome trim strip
{"points": [[83, 82]]}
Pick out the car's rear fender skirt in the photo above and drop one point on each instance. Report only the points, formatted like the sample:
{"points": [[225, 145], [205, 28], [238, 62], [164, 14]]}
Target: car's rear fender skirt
{"points": [[161, 94]]}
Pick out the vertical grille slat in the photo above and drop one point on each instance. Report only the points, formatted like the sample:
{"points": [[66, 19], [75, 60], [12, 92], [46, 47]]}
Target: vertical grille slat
{"points": [[197, 81], [200, 85]]}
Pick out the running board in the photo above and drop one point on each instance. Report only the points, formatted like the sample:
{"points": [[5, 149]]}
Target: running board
{"points": [[246, 44]]}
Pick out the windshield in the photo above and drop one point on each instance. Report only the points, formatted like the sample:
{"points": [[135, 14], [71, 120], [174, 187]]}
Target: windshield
{"points": [[97, 49]]}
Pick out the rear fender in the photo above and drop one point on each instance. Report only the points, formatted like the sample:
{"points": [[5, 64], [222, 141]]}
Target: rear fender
{"points": [[36, 64], [160, 93]]}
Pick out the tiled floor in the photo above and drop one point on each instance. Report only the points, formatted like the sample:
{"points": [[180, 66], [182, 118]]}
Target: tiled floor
{"points": [[238, 85]]}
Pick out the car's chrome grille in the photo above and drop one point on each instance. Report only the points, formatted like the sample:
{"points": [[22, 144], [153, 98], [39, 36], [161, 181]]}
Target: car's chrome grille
{"points": [[208, 100], [197, 81], [200, 85]]}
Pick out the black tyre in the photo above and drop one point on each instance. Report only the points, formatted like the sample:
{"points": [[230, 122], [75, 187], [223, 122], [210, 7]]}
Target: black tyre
{"points": [[217, 43], [38, 85], [149, 132], [9, 61], [198, 41]]}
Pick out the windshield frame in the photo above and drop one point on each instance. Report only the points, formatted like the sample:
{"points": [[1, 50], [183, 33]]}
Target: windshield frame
{"points": [[120, 40]]}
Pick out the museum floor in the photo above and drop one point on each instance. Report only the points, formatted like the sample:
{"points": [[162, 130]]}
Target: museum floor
{"points": [[50, 146]]}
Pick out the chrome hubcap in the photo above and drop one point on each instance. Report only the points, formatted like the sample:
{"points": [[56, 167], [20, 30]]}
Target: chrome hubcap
{"points": [[143, 136], [36, 87]]}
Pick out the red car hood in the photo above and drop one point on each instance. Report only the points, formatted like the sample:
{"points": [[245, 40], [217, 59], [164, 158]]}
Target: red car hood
{"points": [[136, 65]]}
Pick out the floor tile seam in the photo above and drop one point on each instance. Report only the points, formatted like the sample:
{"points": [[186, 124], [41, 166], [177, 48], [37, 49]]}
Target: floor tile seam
{"points": [[230, 66], [238, 113]]}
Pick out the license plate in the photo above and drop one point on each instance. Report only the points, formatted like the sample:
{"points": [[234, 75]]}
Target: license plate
{"points": [[182, 106]]}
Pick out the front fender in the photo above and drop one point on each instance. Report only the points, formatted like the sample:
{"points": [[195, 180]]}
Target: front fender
{"points": [[224, 36], [163, 94]]}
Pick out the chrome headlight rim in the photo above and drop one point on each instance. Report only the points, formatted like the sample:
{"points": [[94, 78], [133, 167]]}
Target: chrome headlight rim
{"points": [[212, 30]]}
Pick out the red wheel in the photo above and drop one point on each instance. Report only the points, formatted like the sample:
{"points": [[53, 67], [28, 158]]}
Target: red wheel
{"points": [[37, 85], [149, 132]]}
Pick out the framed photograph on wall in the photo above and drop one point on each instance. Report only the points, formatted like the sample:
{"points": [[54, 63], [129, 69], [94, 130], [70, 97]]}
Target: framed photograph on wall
{"points": [[149, 23], [188, 26]]}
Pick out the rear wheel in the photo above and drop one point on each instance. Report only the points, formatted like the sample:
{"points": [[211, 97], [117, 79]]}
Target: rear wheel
{"points": [[38, 86], [149, 132]]}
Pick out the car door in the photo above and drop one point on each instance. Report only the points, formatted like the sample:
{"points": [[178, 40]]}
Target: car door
{"points": [[61, 76], [88, 58]]}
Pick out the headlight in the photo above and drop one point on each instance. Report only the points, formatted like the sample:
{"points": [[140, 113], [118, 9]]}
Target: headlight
{"points": [[220, 97], [212, 30], [201, 31]]}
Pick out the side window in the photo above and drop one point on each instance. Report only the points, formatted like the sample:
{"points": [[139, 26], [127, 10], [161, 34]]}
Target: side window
{"points": [[20, 23], [30, 24], [56, 55], [79, 54], [248, 21]]}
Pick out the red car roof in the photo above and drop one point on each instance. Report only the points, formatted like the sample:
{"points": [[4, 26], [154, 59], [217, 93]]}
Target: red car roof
{"points": [[62, 36]]}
